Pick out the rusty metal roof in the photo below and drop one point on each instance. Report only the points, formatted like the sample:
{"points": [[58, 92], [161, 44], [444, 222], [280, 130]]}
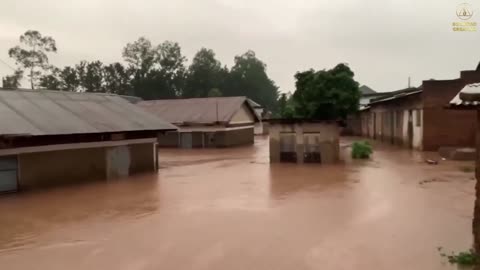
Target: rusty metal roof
{"points": [[197, 110], [44, 112], [467, 98]]}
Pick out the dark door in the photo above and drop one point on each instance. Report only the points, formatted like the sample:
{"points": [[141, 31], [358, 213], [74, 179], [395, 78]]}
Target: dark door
{"points": [[374, 126], [410, 129], [392, 127], [8, 174]]}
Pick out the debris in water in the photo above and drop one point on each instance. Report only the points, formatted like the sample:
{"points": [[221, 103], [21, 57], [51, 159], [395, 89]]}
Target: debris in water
{"points": [[431, 162]]}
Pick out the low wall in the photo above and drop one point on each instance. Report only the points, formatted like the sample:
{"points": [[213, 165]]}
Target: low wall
{"points": [[211, 139], [327, 135], [61, 167], [54, 168]]}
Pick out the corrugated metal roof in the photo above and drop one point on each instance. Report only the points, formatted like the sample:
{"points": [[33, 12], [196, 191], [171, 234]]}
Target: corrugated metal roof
{"points": [[397, 94], [44, 112], [196, 110], [365, 90], [468, 97]]}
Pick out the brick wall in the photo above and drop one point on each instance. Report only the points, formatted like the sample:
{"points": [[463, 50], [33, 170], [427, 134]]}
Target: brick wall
{"points": [[444, 127]]}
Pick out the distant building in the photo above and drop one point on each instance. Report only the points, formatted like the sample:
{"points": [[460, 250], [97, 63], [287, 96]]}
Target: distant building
{"points": [[205, 122], [353, 124], [303, 141], [261, 127], [368, 94], [52, 138], [418, 118]]}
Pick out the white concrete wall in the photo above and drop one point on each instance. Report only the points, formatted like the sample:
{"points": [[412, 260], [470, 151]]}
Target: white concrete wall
{"points": [[242, 116], [417, 130], [118, 161], [417, 139], [405, 128], [258, 129]]}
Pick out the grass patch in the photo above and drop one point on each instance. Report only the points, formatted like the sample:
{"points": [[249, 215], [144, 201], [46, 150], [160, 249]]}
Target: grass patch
{"points": [[464, 258], [467, 169], [361, 150]]}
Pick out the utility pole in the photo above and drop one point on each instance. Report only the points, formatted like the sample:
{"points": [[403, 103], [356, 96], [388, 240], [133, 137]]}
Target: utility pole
{"points": [[216, 102], [409, 85]]}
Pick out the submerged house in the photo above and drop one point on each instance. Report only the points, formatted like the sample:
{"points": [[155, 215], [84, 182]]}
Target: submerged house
{"points": [[261, 126], [51, 138], [205, 122], [418, 118], [353, 123], [304, 141]]}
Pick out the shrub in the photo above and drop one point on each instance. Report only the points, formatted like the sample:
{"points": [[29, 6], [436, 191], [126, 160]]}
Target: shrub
{"points": [[465, 258], [361, 150]]}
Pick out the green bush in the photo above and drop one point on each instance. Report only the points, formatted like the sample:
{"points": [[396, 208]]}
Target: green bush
{"points": [[464, 258], [361, 150]]}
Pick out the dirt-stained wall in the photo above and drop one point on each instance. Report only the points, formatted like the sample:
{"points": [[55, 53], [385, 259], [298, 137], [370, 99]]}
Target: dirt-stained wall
{"points": [[61, 167], [168, 139], [55, 168], [444, 127], [390, 121], [328, 134], [142, 158], [211, 138], [235, 137]]}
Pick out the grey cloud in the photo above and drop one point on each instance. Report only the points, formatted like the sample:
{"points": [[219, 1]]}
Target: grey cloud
{"points": [[383, 41]]}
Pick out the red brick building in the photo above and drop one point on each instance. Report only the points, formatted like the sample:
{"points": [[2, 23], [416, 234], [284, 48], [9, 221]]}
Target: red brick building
{"points": [[418, 118]]}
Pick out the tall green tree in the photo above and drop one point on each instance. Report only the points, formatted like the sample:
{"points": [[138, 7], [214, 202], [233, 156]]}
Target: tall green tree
{"points": [[285, 106], [31, 54], [204, 74], [117, 79], [172, 66], [51, 81], [326, 94], [13, 81], [141, 56], [90, 76], [69, 79], [248, 77]]}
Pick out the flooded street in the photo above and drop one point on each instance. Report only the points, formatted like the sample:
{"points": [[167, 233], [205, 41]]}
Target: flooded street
{"points": [[230, 209]]}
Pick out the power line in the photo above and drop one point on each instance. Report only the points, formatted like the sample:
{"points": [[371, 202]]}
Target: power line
{"points": [[6, 64]]}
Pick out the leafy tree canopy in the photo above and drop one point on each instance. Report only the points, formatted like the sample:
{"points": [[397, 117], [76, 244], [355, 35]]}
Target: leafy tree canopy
{"points": [[205, 73], [32, 55], [248, 77], [326, 94]]}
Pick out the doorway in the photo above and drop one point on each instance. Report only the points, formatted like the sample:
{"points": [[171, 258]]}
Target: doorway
{"points": [[8, 174], [410, 129]]}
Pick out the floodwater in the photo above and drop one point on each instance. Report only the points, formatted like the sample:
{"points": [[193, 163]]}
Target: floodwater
{"points": [[230, 209]]}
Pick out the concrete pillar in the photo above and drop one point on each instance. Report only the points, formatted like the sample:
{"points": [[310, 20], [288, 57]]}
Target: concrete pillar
{"points": [[300, 148], [274, 142]]}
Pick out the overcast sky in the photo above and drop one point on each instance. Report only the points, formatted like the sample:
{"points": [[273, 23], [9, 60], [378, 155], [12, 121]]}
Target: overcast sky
{"points": [[383, 41]]}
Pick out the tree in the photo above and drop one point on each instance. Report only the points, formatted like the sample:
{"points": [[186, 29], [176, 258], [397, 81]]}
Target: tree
{"points": [[248, 77], [285, 106], [326, 94], [214, 92], [154, 86], [33, 56], [90, 76], [52, 80], [140, 55], [117, 79], [205, 73], [69, 79], [172, 64], [13, 81]]}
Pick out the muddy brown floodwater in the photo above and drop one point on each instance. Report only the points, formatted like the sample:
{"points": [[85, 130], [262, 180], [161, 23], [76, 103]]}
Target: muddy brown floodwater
{"points": [[231, 209]]}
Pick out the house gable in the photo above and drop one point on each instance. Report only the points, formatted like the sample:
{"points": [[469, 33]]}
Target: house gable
{"points": [[243, 116]]}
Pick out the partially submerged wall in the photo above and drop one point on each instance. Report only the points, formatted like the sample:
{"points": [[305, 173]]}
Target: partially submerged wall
{"points": [[53, 168], [326, 140]]}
